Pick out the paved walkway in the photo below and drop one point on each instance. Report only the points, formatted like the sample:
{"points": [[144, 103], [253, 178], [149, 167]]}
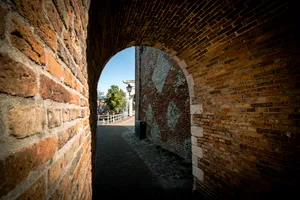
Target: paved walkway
{"points": [[120, 172], [128, 121]]}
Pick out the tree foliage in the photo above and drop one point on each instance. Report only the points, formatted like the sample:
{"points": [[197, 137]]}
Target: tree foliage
{"points": [[116, 98]]}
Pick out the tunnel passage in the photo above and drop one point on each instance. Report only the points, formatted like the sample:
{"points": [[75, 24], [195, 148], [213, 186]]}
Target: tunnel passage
{"points": [[241, 58]]}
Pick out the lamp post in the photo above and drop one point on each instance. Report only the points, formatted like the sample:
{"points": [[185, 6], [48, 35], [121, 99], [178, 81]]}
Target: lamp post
{"points": [[129, 89]]}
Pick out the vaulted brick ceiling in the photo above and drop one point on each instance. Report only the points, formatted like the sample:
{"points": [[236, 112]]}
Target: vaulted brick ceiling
{"points": [[200, 32]]}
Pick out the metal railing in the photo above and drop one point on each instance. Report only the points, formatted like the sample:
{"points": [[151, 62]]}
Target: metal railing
{"points": [[110, 118]]}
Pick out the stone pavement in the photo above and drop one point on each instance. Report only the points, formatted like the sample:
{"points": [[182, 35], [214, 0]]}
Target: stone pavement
{"points": [[172, 171], [121, 169]]}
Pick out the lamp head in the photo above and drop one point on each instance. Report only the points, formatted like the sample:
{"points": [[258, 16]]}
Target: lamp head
{"points": [[129, 88]]}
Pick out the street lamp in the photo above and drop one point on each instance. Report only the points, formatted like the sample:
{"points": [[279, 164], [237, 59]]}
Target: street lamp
{"points": [[129, 88]]}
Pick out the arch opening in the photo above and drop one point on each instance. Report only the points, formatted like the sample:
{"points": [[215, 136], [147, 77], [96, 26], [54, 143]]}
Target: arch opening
{"points": [[163, 102]]}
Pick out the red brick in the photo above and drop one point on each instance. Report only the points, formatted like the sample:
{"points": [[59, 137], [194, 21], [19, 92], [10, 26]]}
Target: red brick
{"points": [[53, 66], [35, 191], [15, 168], [55, 172], [85, 85], [273, 93], [68, 156], [80, 76], [66, 115], [293, 92], [266, 104], [63, 189], [49, 89], [85, 144], [3, 14], [69, 78], [16, 78], [86, 122], [74, 113], [262, 109], [54, 17], [76, 57], [85, 93], [287, 122], [83, 102], [63, 8], [54, 117], [65, 185], [24, 40], [68, 41], [79, 167], [62, 53], [78, 86], [57, 194], [25, 121], [66, 135], [74, 99], [84, 112], [32, 10], [76, 161], [274, 109]]}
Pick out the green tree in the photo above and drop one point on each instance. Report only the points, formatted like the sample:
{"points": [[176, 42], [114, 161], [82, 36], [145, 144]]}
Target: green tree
{"points": [[116, 98]]}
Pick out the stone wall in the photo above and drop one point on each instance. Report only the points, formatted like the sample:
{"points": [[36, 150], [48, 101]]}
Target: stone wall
{"points": [[164, 103], [45, 139]]}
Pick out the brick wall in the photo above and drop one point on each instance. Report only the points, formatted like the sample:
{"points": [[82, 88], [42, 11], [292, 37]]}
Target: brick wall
{"points": [[44, 127], [164, 103], [240, 59]]}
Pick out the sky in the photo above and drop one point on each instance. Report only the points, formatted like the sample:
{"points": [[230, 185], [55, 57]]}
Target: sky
{"points": [[120, 67]]}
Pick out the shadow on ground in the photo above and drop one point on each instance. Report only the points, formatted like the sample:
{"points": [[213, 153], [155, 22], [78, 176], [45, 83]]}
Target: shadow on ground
{"points": [[120, 172]]}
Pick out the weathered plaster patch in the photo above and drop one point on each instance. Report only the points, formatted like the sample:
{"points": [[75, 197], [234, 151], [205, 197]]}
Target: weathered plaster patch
{"points": [[145, 98], [149, 115], [160, 73], [188, 149], [173, 114], [153, 57], [155, 133], [180, 80]]}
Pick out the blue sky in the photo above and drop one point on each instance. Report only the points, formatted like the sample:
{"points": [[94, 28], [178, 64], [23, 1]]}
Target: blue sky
{"points": [[120, 67]]}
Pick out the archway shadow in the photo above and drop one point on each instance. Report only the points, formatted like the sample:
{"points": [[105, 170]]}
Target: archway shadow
{"points": [[120, 172]]}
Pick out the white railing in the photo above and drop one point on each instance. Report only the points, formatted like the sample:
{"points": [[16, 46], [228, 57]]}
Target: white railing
{"points": [[110, 118]]}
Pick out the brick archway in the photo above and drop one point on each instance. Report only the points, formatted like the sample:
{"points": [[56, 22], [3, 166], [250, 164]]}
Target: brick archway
{"points": [[241, 57], [226, 50]]}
